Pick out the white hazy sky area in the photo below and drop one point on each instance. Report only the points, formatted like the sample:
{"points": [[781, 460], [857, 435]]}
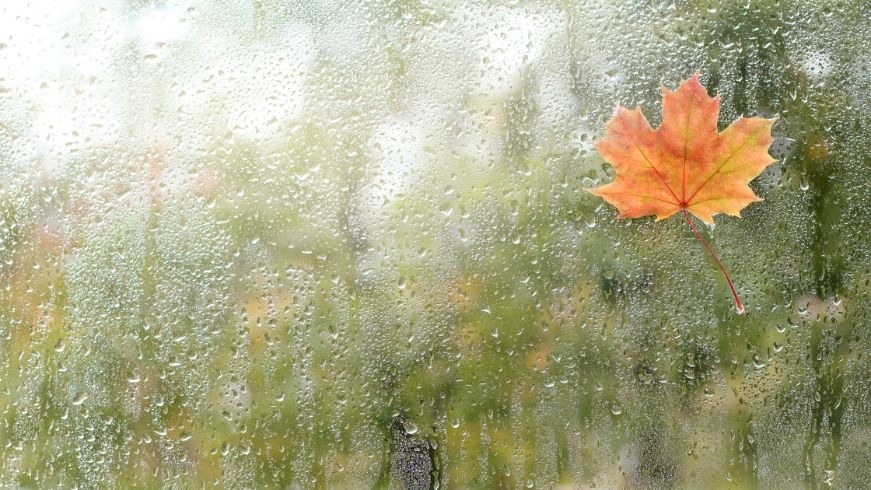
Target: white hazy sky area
{"points": [[183, 76]]}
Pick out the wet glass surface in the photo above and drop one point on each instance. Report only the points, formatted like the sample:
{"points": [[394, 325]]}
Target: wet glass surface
{"points": [[339, 244]]}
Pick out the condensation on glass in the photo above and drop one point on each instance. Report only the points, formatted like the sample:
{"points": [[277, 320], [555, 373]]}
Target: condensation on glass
{"points": [[338, 244]]}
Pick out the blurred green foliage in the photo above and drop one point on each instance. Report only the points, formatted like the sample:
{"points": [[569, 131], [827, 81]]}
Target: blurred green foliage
{"points": [[408, 260]]}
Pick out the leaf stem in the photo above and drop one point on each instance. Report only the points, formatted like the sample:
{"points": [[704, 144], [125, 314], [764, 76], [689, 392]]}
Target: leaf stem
{"points": [[738, 304]]}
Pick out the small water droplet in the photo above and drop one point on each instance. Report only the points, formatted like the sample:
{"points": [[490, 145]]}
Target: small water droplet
{"points": [[758, 363], [79, 398]]}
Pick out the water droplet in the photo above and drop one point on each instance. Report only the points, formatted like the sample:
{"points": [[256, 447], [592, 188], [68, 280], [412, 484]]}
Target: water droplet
{"points": [[79, 398]]}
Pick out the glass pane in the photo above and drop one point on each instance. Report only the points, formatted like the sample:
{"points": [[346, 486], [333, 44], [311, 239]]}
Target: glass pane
{"points": [[347, 244]]}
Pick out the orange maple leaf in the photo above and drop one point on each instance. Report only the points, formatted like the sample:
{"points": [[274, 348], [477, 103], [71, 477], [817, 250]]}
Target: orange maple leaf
{"points": [[685, 164]]}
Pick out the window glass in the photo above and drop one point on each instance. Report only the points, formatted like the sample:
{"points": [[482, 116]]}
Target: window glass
{"points": [[347, 244]]}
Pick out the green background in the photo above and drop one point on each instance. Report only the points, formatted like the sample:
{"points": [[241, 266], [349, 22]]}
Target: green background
{"points": [[346, 245]]}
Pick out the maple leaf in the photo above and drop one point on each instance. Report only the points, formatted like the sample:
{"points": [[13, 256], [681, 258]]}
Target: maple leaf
{"points": [[685, 164]]}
